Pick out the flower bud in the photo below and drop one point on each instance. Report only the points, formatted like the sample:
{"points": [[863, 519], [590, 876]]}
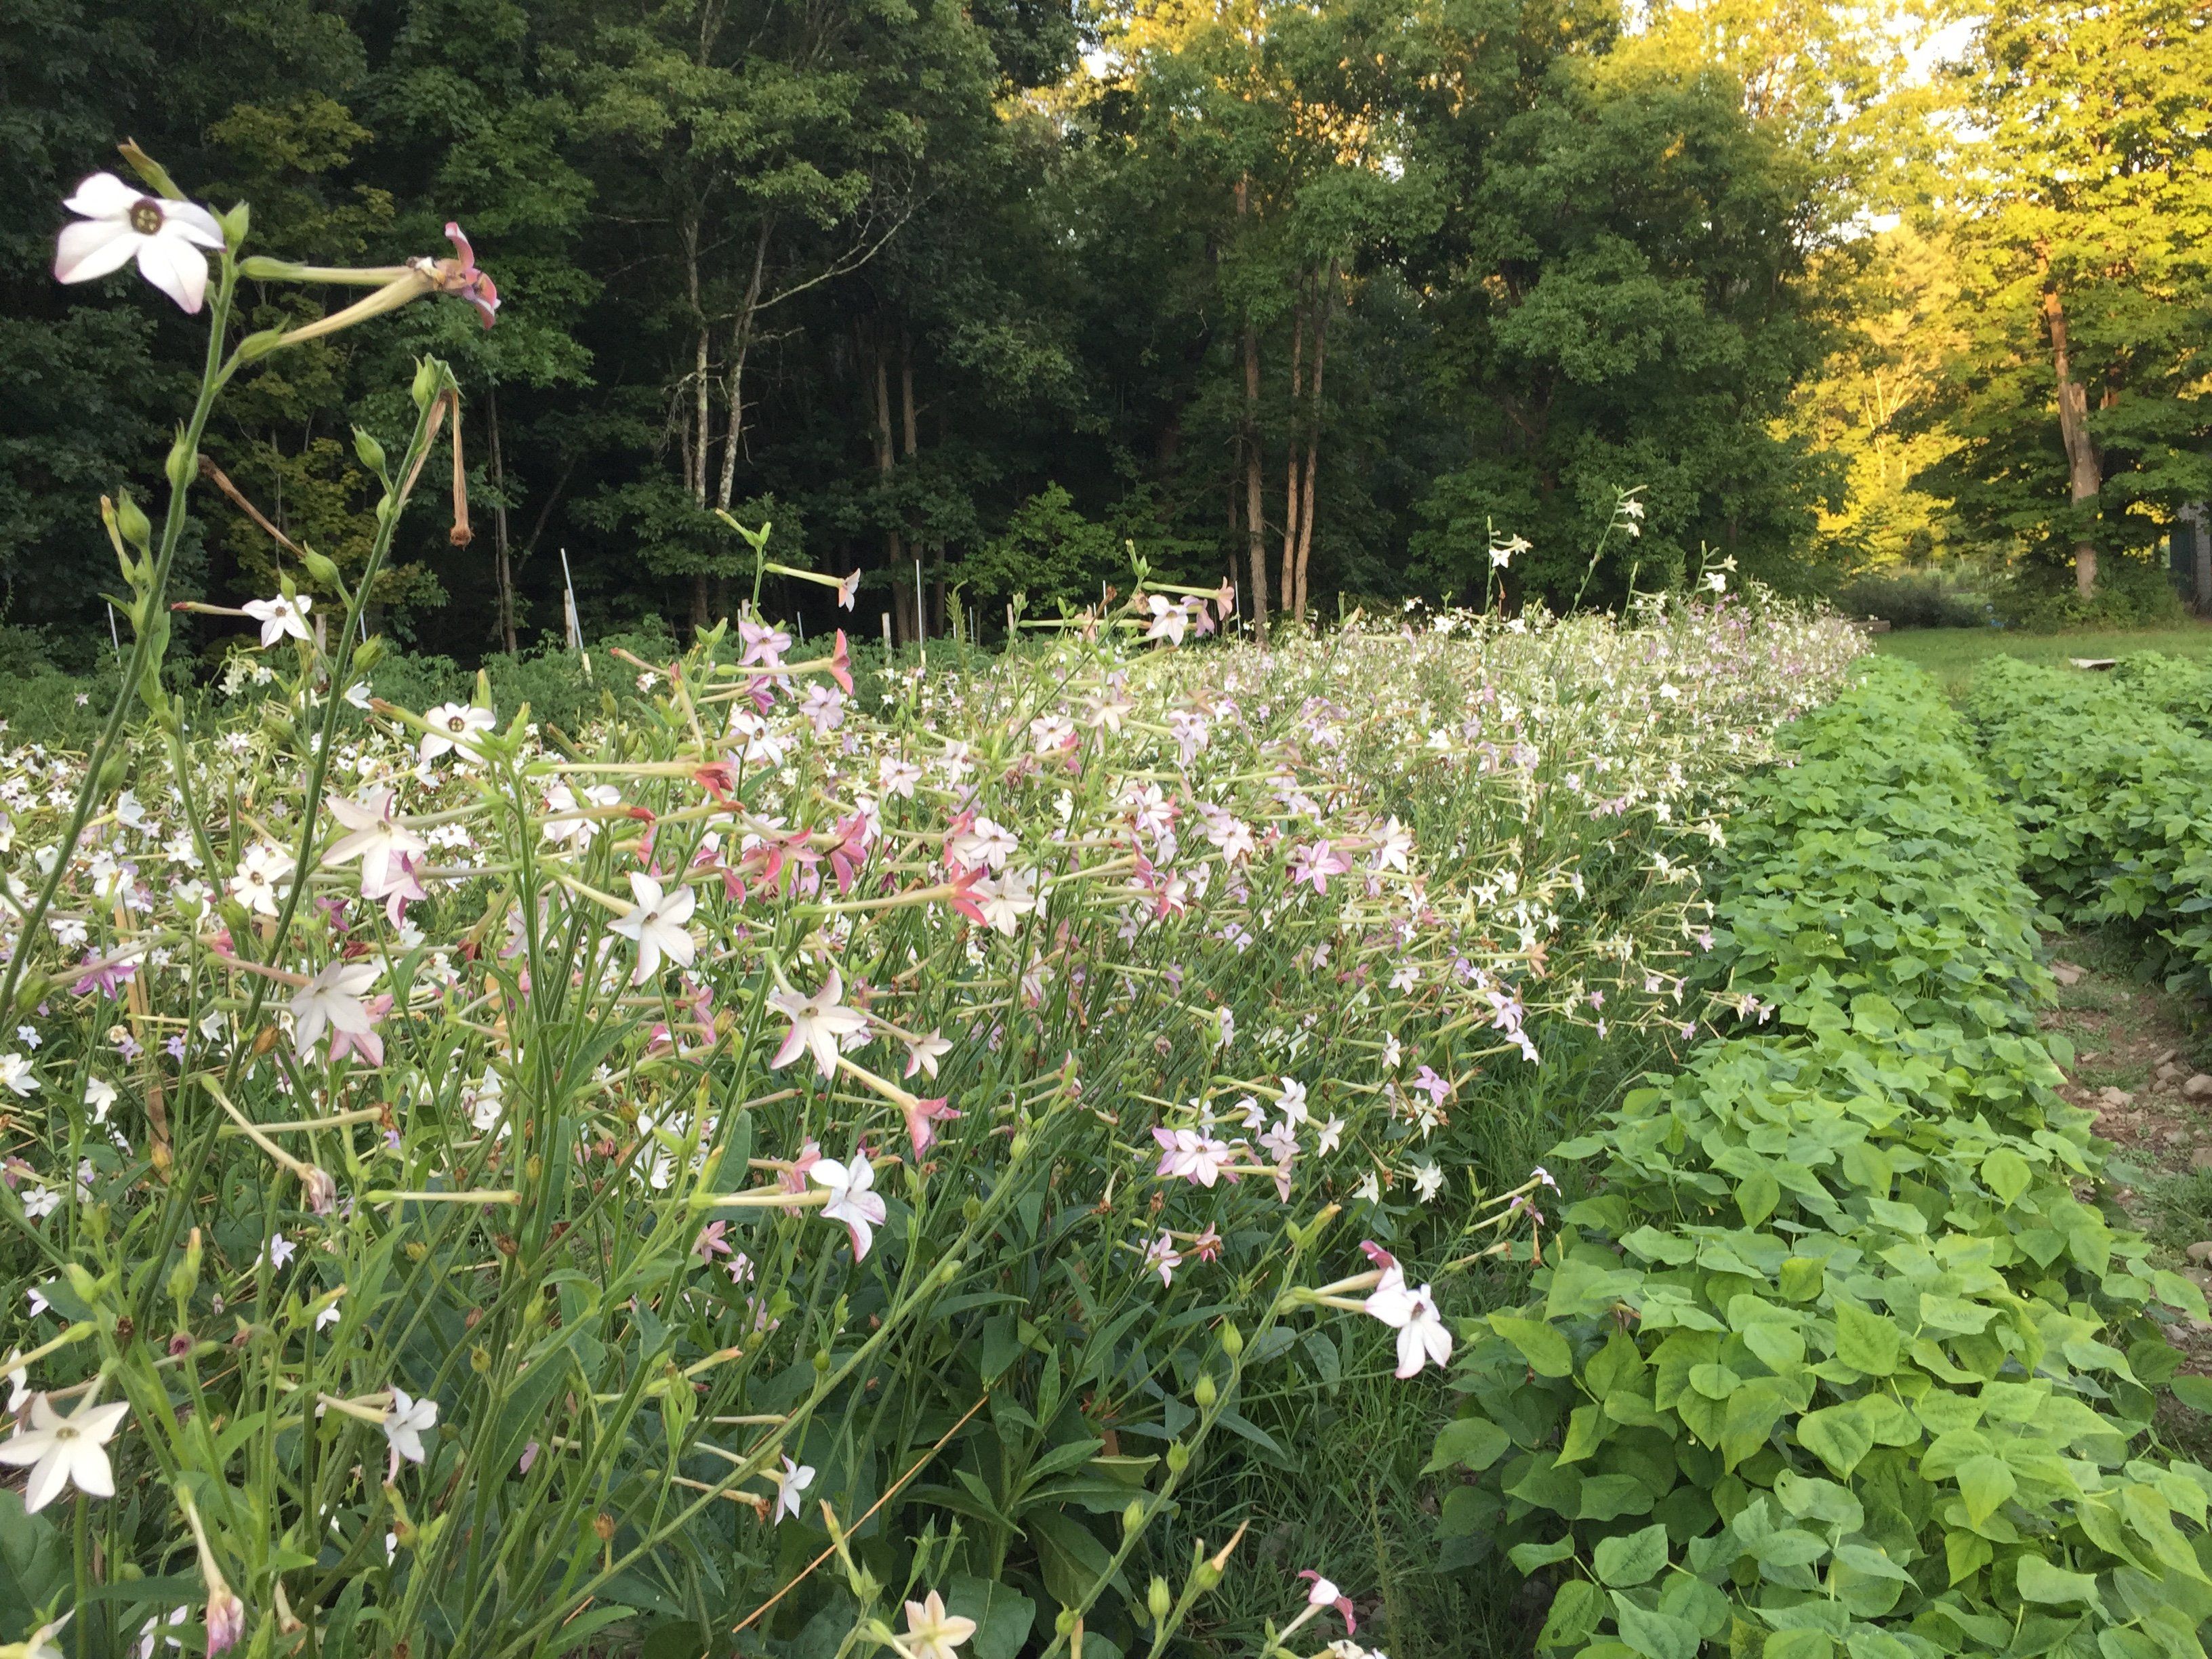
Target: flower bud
{"points": [[480, 1359], [1158, 1597], [369, 653], [1133, 1518], [1205, 1394], [322, 570], [1205, 1576], [235, 225], [1233, 1340], [371, 451], [184, 1277], [131, 523], [427, 382], [822, 1362], [1178, 1457]]}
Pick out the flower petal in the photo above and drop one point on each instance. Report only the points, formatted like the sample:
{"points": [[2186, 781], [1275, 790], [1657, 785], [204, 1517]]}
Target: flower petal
{"points": [[104, 196], [93, 247], [194, 222], [175, 267], [90, 1470]]}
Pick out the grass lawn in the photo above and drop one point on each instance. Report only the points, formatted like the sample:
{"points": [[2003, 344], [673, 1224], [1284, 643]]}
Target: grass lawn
{"points": [[1951, 653]]}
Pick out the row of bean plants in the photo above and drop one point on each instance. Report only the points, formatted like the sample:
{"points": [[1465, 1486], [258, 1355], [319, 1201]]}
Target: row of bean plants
{"points": [[2108, 777], [1843, 1352]]}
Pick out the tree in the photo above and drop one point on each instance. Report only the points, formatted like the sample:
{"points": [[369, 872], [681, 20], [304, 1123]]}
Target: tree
{"points": [[2084, 214]]}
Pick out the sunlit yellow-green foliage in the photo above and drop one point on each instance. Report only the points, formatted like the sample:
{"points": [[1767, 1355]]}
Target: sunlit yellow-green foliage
{"points": [[1897, 296]]}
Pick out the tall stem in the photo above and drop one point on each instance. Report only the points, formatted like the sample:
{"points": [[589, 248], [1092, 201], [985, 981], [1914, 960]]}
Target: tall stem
{"points": [[182, 467]]}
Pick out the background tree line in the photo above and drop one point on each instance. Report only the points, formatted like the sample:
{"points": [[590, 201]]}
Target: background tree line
{"points": [[971, 297]]}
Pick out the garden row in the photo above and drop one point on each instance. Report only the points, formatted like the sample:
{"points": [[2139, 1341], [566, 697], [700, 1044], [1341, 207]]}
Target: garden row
{"points": [[2108, 777], [479, 1176], [1836, 1355]]}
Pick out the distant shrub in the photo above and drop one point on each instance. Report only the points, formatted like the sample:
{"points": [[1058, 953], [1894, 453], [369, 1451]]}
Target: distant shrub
{"points": [[2131, 593], [1917, 600]]}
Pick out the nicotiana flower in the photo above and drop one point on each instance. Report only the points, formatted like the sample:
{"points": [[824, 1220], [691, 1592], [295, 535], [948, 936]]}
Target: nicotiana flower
{"points": [[332, 1000], [118, 223], [816, 1024], [454, 727], [16, 1075], [1323, 1593], [65, 1451], [797, 1477], [851, 1199], [280, 616], [1412, 1314], [657, 921], [377, 838], [933, 1633], [405, 1423]]}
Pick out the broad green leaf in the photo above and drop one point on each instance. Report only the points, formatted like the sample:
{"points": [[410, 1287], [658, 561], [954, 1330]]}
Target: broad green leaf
{"points": [[1531, 1557], [1631, 1559], [1985, 1482], [1803, 1643], [2041, 1581], [1575, 1614], [1470, 1442], [1756, 1195], [1836, 1437], [1654, 1635], [1003, 1615], [1865, 1341], [2005, 1172], [1544, 1348]]}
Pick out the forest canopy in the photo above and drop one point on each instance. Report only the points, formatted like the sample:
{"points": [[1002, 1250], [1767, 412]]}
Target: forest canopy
{"points": [[979, 300]]}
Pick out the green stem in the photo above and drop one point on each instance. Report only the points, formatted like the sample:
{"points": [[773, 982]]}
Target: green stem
{"points": [[184, 467]]}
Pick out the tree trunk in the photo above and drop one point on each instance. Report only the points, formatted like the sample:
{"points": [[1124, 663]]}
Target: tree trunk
{"points": [[741, 342], [502, 565], [886, 461], [1288, 584], [2084, 466], [1327, 298], [1256, 553]]}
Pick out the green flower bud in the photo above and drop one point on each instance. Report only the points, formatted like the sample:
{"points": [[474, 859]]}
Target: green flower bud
{"points": [[322, 570], [1158, 1597], [1133, 1518], [371, 451], [369, 653], [1206, 1393], [130, 522], [184, 1277], [1233, 1340], [1178, 1457], [822, 1362]]}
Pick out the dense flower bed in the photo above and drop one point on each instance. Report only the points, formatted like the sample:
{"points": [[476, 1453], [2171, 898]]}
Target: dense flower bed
{"points": [[765, 1157], [1843, 1351]]}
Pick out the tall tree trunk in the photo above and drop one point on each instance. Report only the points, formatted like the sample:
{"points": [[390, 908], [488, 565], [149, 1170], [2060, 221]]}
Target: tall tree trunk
{"points": [[1255, 552], [503, 565], [741, 341], [886, 461], [1324, 302], [1288, 585], [2085, 468]]}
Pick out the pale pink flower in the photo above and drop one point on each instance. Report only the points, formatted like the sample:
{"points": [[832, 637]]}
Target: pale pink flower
{"points": [[816, 1024]]}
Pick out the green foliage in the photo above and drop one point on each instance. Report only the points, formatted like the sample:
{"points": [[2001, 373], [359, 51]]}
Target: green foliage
{"points": [[2107, 779], [2088, 237], [1836, 1356]]}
